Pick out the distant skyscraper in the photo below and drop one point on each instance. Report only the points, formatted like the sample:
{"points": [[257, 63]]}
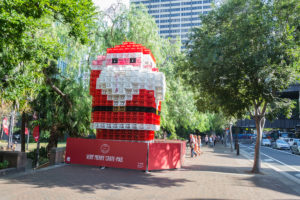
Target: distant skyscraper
{"points": [[176, 17]]}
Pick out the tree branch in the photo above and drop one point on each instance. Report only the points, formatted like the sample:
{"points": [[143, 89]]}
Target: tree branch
{"points": [[264, 109], [59, 92], [250, 112]]}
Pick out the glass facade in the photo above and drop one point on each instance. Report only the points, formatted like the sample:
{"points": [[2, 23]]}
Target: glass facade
{"points": [[175, 18]]}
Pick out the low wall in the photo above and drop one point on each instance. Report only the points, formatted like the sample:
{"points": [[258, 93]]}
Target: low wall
{"points": [[57, 155], [166, 155], [16, 159]]}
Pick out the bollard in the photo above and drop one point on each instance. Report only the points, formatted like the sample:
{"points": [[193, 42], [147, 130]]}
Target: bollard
{"points": [[237, 149]]}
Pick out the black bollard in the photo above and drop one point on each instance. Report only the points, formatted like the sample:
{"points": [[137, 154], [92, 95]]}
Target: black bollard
{"points": [[237, 149]]}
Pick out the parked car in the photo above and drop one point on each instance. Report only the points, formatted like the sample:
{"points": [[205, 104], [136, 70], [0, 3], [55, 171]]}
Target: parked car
{"points": [[265, 142], [291, 141], [280, 144], [295, 148]]}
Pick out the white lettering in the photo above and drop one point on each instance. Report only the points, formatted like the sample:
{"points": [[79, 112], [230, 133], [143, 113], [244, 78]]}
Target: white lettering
{"points": [[90, 156], [110, 158], [119, 159], [99, 157], [140, 165]]}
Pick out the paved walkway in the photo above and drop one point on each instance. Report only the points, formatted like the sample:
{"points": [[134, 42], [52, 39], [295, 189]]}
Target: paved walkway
{"points": [[216, 174]]}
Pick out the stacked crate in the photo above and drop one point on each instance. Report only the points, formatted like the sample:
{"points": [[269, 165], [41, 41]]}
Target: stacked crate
{"points": [[127, 90]]}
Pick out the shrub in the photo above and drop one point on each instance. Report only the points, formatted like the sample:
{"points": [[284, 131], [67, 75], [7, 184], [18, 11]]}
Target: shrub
{"points": [[43, 156], [4, 164]]}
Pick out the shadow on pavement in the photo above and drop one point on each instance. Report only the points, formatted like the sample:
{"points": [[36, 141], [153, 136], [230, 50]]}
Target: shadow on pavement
{"points": [[271, 183], [221, 169], [88, 179], [205, 199], [269, 179]]}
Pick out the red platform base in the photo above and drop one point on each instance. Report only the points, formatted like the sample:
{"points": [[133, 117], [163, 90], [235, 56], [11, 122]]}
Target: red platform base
{"points": [[157, 155]]}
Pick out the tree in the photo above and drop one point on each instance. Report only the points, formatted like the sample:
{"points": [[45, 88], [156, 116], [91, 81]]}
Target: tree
{"points": [[62, 116], [240, 59], [27, 44]]}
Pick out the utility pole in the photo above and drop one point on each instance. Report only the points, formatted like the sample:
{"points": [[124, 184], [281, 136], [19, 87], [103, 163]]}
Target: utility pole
{"points": [[230, 130], [27, 140]]}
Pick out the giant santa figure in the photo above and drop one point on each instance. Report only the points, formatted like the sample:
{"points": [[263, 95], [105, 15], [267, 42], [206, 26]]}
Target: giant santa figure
{"points": [[127, 91]]}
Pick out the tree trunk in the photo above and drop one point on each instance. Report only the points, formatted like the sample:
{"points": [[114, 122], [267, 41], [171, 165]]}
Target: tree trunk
{"points": [[259, 122], [23, 126], [11, 128], [1, 128], [53, 140]]}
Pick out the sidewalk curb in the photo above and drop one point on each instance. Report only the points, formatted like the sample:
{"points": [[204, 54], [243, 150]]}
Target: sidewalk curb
{"points": [[33, 171], [290, 177]]}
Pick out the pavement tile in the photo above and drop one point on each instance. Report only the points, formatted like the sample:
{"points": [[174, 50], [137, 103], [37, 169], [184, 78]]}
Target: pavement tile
{"points": [[216, 174]]}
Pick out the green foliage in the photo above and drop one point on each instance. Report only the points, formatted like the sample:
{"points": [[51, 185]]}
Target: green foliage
{"points": [[239, 59], [217, 122], [55, 111], [173, 136], [4, 164], [43, 156]]}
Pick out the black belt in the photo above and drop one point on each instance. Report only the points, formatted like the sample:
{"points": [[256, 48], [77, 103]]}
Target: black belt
{"points": [[126, 109]]}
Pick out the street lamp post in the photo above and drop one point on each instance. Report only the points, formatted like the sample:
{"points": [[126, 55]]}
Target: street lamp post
{"points": [[230, 131]]}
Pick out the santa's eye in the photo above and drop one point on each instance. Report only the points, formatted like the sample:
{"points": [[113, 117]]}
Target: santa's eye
{"points": [[115, 60], [132, 60]]}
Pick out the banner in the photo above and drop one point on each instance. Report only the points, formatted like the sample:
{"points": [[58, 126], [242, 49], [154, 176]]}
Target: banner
{"points": [[108, 153], [5, 126], [36, 133]]}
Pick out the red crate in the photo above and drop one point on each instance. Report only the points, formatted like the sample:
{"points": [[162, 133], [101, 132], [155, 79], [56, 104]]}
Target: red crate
{"points": [[142, 92], [98, 92]]}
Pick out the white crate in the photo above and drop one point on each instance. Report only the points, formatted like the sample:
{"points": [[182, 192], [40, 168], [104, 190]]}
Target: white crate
{"points": [[136, 91], [140, 126], [114, 126], [108, 125], [122, 97], [108, 85], [148, 126], [128, 97], [133, 126], [116, 103], [127, 126], [109, 91], [121, 126]]}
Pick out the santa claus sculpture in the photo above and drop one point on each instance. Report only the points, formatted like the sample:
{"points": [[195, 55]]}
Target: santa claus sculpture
{"points": [[127, 91]]}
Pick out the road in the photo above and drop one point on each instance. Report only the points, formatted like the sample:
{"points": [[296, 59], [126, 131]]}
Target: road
{"points": [[280, 160]]}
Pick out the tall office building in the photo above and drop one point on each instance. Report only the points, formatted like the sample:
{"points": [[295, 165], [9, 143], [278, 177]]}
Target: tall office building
{"points": [[175, 18]]}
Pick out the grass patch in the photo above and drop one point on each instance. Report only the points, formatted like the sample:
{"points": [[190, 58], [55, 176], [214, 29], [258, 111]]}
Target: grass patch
{"points": [[33, 145]]}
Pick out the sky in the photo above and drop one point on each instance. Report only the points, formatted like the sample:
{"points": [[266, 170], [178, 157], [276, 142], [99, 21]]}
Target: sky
{"points": [[104, 4]]}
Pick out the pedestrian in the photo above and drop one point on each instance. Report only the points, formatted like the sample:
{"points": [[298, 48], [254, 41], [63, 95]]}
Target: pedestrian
{"points": [[222, 140], [192, 145], [215, 140], [206, 139], [199, 143], [211, 141], [196, 149]]}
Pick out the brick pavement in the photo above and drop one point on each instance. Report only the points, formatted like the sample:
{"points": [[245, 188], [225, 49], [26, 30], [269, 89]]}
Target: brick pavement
{"points": [[216, 174]]}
